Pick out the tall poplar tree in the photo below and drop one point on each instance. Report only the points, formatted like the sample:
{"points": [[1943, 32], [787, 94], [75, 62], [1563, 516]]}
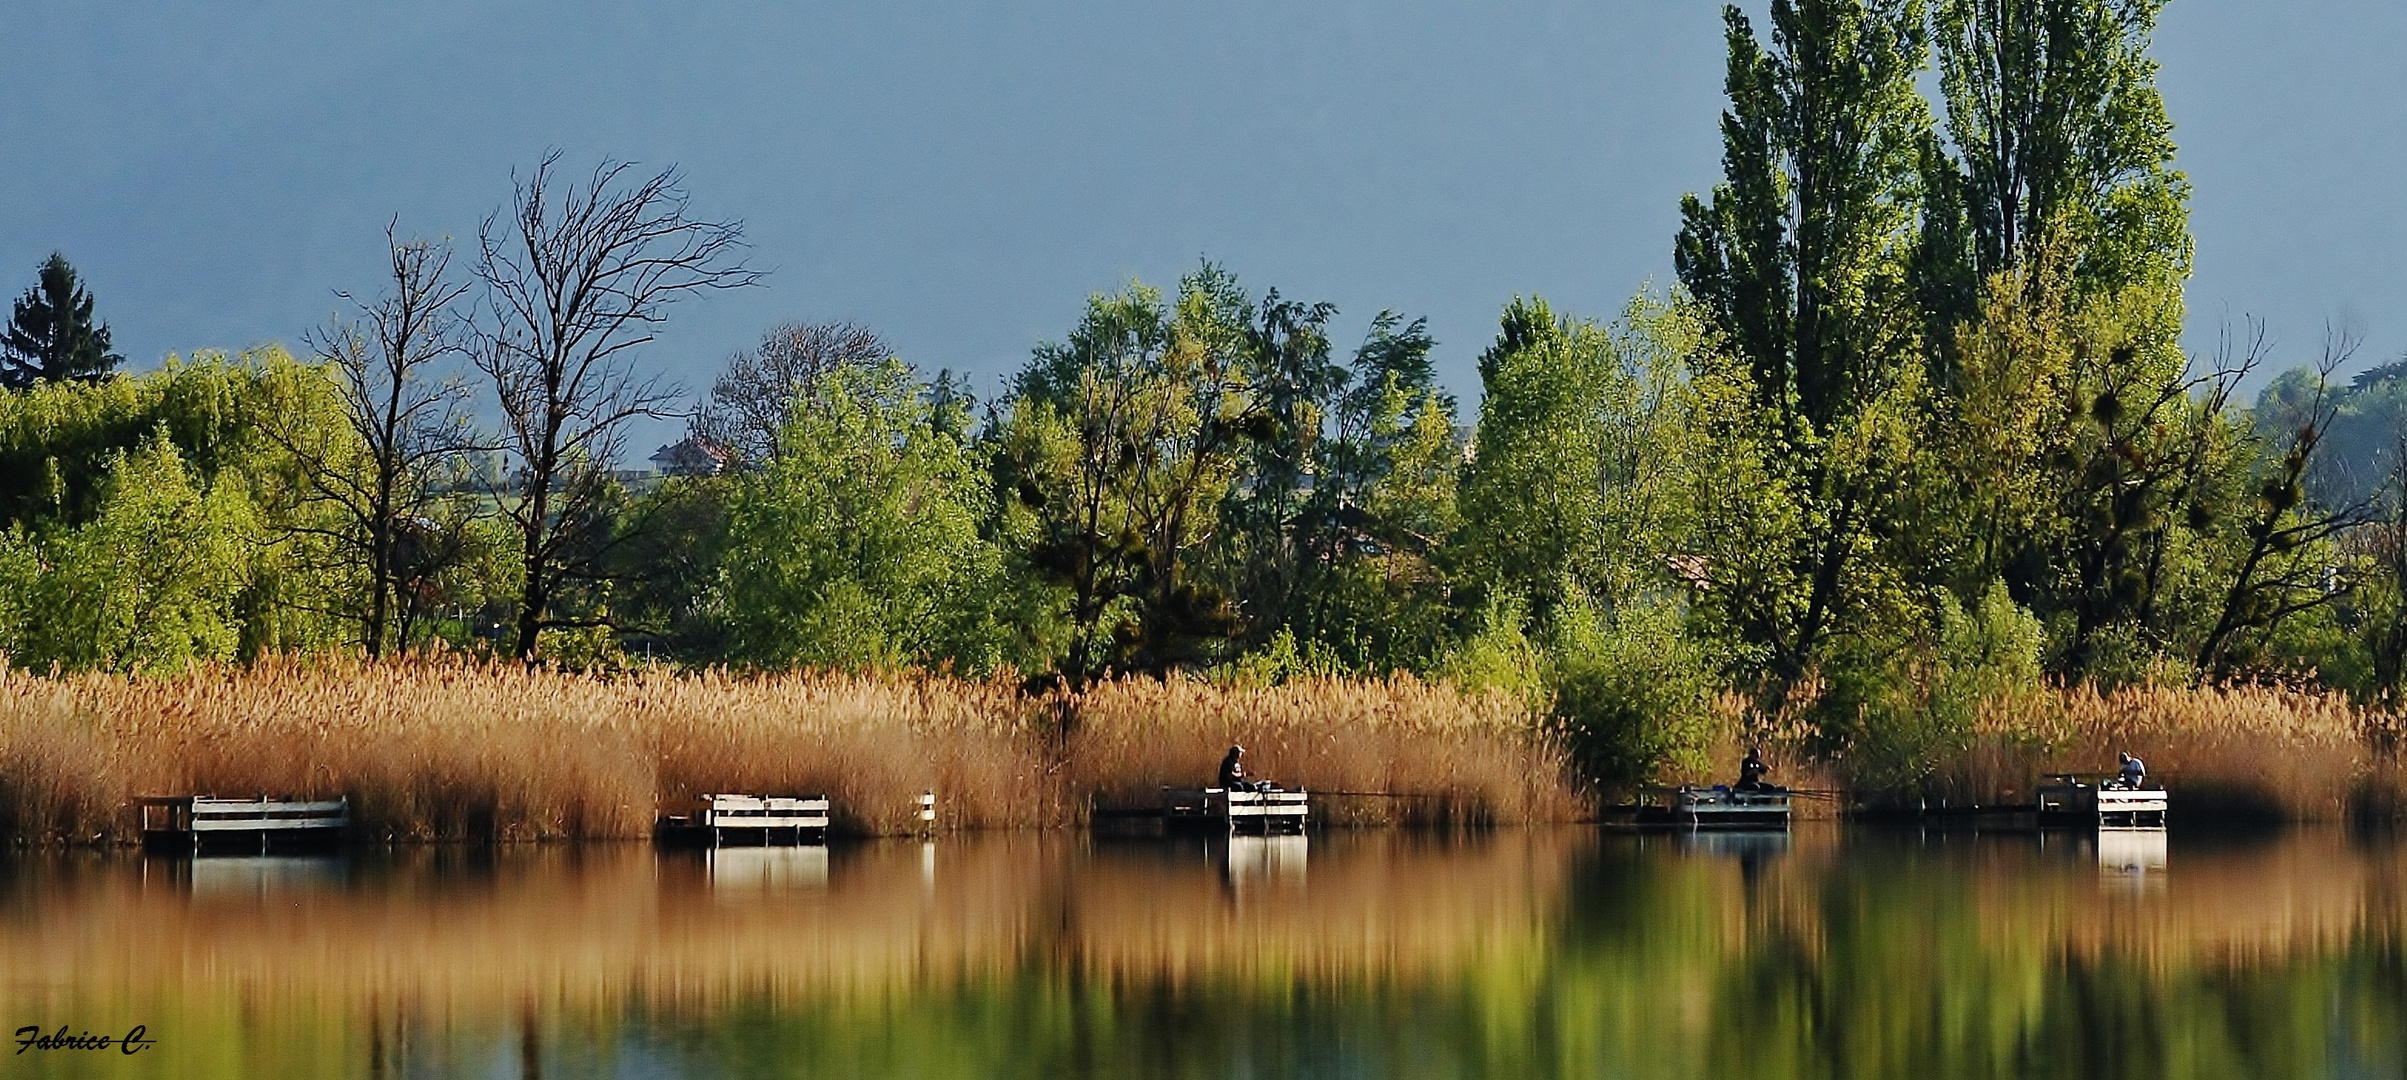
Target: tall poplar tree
{"points": [[1799, 261], [2060, 141], [51, 334]]}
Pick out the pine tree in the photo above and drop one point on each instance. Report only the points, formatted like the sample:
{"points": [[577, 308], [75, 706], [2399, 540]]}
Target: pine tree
{"points": [[52, 335]]}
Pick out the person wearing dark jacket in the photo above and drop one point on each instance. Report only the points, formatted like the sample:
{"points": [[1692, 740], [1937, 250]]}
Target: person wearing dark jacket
{"points": [[1752, 771], [1232, 770]]}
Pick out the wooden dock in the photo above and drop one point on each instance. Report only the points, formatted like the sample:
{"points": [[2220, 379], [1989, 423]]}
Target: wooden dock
{"points": [[750, 819], [1249, 813], [193, 823], [1719, 807], [2077, 801]]}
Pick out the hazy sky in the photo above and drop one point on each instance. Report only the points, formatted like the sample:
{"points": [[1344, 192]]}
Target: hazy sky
{"points": [[960, 176]]}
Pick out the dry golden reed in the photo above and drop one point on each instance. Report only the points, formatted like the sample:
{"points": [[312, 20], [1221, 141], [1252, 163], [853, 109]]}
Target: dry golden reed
{"points": [[451, 750], [2252, 751]]}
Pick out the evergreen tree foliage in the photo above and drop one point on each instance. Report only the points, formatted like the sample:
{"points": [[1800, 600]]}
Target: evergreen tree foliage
{"points": [[51, 334]]}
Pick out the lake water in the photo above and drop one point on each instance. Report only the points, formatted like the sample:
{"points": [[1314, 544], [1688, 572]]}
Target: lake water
{"points": [[1560, 952]]}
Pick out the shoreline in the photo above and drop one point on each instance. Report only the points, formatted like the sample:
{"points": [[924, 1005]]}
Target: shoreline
{"points": [[454, 752]]}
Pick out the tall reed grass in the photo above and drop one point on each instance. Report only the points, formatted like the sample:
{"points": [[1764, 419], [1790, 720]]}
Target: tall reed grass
{"points": [[449, 750], [2256, 752]]}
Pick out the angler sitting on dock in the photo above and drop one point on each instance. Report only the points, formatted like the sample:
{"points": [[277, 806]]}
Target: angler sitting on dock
{"points": [[1232, 773], [2133, 774], [1752, 771]]}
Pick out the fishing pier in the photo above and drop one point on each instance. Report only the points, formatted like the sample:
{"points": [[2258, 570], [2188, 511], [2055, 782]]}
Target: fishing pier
{"points": [[750, 819], [1236, 813], [191, 823]]}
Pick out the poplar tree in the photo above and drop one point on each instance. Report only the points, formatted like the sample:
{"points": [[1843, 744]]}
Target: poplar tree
{"points": [[51, 334], [2060, 141], [1799, 261]]}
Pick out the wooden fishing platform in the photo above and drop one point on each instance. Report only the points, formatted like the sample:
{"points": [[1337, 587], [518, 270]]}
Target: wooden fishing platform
{"points": [[1719, 807], [751, 819], [195, 823], [1250, 813], [2070, 799]]}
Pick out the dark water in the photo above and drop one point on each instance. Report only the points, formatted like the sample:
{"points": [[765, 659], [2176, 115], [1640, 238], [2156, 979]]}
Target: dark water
{"points": [[1519, 954]]}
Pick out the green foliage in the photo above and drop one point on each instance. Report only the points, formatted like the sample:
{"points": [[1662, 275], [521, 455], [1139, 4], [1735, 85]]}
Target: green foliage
{"points": [[1120, 448], [51, 335], [1897, 717], [857, 545], [1799, 256], [1532, 500], [1633, 693], [64, 453], [1497, 654], [148, 585], [1280, 659], [2063, 141]]}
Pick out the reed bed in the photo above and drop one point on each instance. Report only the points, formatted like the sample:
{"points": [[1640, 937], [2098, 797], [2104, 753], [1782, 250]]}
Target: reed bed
{"points": [[1379, 752], [451, 750], [2267, 753]]}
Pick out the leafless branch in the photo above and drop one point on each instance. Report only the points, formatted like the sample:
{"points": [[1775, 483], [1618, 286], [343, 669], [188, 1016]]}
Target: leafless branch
{"points": [[576, 278]]}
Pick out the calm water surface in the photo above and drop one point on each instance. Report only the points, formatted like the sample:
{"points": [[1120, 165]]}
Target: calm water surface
{"points": [[1540, 953]]}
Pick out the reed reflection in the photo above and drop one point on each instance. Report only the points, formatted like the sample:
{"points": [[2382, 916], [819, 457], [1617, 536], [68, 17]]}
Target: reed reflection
{"points": [[1522, 953]]}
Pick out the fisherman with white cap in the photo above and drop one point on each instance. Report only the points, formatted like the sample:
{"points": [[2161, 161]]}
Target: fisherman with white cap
{"points": [[1232, 770]]}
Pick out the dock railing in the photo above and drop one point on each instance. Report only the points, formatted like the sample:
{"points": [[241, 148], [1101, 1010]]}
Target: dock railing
{"points": [[191, 820], [1264, 812], [763, 816]]}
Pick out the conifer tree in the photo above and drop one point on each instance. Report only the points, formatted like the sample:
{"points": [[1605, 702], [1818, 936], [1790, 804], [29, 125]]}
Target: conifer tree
{"points": [[52, 335]]}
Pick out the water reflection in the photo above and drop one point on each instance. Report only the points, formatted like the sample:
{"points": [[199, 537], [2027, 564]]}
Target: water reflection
{"points": [[2132, 858], [1264, 862], [1544, 953], [771, 868]]}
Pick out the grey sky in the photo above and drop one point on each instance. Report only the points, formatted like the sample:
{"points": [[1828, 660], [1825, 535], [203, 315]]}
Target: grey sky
{"points": [[960, 176]]}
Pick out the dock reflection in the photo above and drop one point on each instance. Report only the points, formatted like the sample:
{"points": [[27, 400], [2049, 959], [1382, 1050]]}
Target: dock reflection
{"points": [[773, 868], [1264, 861], [2132, 858]]}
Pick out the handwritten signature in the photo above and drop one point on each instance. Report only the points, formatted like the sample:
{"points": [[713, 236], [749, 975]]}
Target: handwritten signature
{"points": [[30, 1037]]}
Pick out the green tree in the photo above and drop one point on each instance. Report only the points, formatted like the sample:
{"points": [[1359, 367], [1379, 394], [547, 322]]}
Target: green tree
{"points": [[52, 336], [61, 443], [1799, 257], [1383, 511], [858, 545], [1119, 449], [2061, 144], [149, 584], [1799, 263], [1533, 500]]}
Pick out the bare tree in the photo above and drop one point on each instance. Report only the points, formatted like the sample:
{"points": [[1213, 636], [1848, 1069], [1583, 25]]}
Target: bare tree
{"points": [[2285, 568], [752, 400], [410, 426], [576, 278]]}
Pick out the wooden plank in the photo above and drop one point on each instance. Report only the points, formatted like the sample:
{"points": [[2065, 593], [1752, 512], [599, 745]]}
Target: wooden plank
{"points": [[223, 807], [264, 824]]}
